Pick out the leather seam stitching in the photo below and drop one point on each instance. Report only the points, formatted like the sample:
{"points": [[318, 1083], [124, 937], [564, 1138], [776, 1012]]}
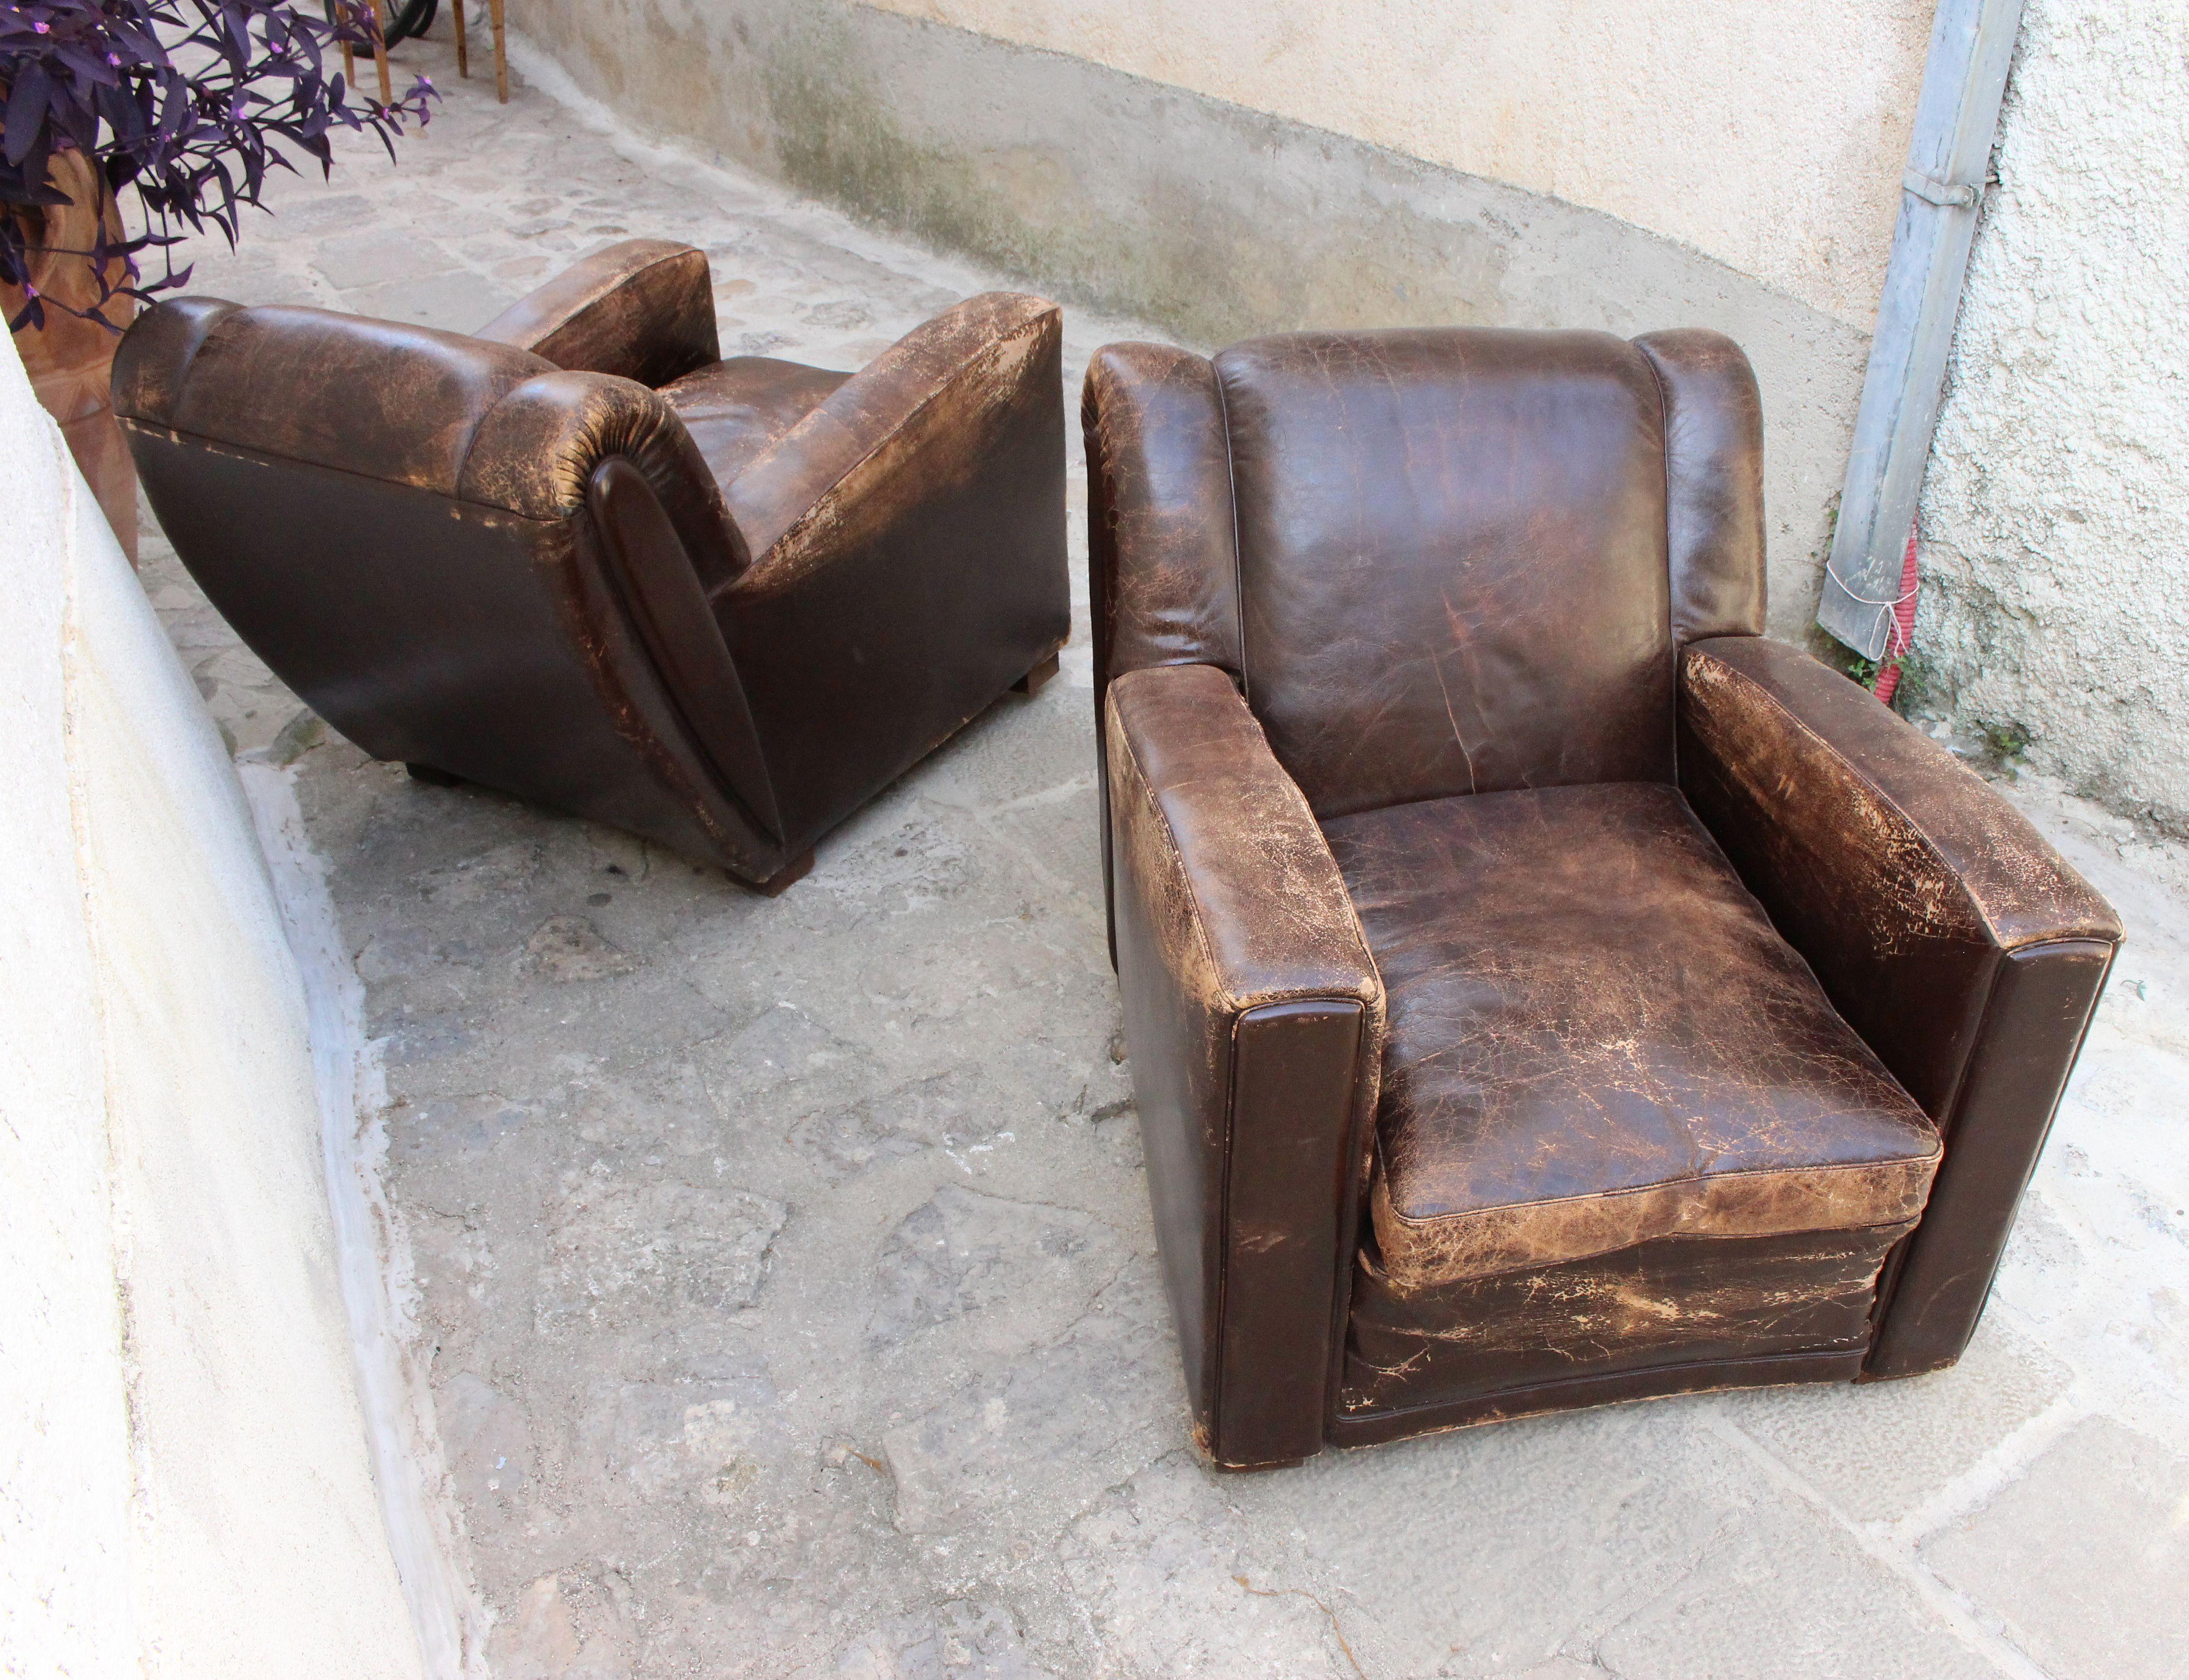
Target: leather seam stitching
{"points": [[1665, 436], [270, 458], [1424, 1222]]}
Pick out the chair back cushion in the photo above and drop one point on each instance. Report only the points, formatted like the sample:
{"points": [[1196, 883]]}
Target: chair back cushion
{"points": [[1452, 563]]}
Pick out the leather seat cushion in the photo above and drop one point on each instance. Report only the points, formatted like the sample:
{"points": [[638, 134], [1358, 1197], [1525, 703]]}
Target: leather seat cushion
{"points": [[1597, 1039], [736, 410]]}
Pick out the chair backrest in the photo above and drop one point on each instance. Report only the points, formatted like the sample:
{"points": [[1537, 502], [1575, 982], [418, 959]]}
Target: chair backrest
{"points": [[422, 534], [1460, 560]]}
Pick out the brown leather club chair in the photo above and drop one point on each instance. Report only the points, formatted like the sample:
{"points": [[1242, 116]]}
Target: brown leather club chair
{"points": [[582, 558], [1540, 988]]}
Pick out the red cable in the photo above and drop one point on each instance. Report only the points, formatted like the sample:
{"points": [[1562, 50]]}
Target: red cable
{"points": [[1903, 627]]}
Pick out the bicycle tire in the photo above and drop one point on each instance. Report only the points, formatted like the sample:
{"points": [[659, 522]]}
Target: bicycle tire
{"points": [[414, 18]]}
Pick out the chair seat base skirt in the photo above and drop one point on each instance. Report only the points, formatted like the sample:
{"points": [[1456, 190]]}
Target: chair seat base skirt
{"points": [[1621, 1131], [1770, 1371], [1697, 1311]]}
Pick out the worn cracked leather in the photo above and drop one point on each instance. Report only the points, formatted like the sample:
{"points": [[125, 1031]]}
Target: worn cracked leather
{"points": [[1726, 1014], [642, 309], [736, 410], [1162, 550], [1452, 560], [1960, 945], [511, 559], [1253, 1016], [1665, 1306], [1597, 1038]]}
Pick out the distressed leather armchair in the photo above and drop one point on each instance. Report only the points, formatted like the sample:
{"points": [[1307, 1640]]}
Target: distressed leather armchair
{"points": [[1540, 989], [582, 558]]}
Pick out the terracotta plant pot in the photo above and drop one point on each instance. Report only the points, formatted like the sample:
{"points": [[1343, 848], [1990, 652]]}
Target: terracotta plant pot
{"points": [[70, 359]]}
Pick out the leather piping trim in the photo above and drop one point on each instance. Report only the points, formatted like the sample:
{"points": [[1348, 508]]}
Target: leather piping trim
{"points": [[1238, 569], [1921, 837], [491, 510], [1550, 1390]]}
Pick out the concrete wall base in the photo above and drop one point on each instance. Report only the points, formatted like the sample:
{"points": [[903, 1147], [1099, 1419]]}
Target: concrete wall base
{"points": [[1104, 189]]}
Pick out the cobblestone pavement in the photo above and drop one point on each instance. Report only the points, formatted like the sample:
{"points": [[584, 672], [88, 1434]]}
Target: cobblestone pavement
{"points": [[786, 1266]]}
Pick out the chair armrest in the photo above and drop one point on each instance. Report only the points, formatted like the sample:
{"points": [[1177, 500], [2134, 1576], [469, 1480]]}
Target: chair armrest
{"points": [[1963, 948], [1254, 1017], [642, 309], [908, 554], [929, 410]]}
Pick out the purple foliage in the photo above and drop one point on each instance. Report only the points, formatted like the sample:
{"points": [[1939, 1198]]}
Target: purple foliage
{"points": [[185, 103]]}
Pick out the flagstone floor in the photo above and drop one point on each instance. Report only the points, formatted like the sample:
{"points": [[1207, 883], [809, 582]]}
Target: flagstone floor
{"points": [[784, 1267]]}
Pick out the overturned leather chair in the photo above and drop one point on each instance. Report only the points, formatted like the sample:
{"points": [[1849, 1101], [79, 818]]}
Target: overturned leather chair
{"points": [[582, 558], [1540, 989]]}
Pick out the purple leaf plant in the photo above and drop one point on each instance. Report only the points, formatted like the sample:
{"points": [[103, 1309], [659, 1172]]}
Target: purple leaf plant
{"points": [[185, 104]]}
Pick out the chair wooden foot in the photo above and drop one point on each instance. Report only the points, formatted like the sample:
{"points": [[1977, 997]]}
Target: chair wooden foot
{"points": [[500, 53], [789, 874], [1032, 681], [432, 778], [463, 46]]}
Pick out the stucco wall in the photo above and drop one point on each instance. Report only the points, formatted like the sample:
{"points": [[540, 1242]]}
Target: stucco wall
{"points": [[65, 1603], [183, 1480], [1770, 136], [2056, 517]]}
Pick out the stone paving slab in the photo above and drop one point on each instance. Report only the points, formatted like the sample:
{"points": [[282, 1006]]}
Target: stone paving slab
{"points": [[2084, 1561], [785, 1268]]}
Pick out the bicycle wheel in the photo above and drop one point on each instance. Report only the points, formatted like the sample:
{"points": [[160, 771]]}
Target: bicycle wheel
{"points": [[415, 18]]}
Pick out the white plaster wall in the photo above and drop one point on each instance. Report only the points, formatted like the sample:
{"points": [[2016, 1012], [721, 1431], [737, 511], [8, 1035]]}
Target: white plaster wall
{"points": [[65, 1605], [2056, 517], [1770, 134], [184, 1480]]}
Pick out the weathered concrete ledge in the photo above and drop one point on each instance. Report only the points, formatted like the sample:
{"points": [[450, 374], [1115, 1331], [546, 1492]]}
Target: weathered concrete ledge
{"points": [[1107, 189]]}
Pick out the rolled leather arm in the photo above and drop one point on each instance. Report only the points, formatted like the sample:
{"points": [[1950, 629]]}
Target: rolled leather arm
{"points": [[908, 554], [931, 411], [1961, 946], [642, 309], [1254, 1017]]}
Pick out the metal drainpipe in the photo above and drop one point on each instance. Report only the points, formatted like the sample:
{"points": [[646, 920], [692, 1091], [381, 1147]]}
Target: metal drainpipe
{"points": [[1956, 115]]}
